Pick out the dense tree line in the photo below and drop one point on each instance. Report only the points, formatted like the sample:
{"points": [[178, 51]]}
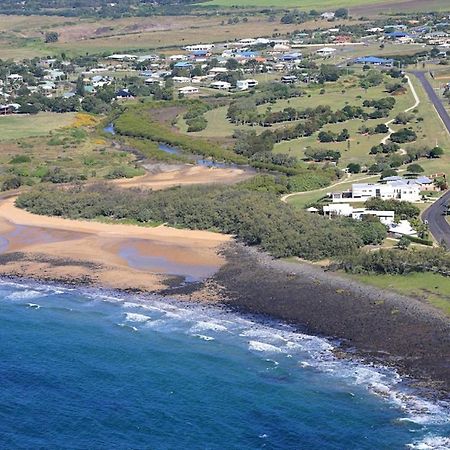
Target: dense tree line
{"points": [[255, 218], [137, 121], [398, 262]]}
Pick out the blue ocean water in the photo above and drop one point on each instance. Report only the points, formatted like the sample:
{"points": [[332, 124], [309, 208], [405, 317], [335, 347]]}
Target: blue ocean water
{"points": [[84, 369]]}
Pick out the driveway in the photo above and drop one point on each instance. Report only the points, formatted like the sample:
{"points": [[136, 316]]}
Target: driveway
{"points": [[437, 223]]}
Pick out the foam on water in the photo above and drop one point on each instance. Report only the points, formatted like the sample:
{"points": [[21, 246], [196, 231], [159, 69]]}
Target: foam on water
{"points": [[272, 342]]}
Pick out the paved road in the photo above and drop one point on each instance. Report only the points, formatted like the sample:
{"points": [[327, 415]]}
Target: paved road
{"points": [[437, 223], [434, 98]]}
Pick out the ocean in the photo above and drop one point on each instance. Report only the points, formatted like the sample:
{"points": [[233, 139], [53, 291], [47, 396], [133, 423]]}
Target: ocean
{"points": [[92, 369]]}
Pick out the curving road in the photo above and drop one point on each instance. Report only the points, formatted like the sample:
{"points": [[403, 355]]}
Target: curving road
{"points": [[437, 223]]}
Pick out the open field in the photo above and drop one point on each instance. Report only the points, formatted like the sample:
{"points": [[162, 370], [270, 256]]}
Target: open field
{"points": [[429, 287], [78, 36], [179, 31], [368, 7], [22, 126]]}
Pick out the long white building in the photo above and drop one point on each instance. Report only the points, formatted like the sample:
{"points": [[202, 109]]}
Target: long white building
{"points": [[405, 190]]}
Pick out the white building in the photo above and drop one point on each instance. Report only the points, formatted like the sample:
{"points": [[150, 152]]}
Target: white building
{"points": [[188, 90], [199, 48], [181, 79], [326, 51], [222, 85], [403, 228], [405, 190], [347, 210], [329, 15], [243, 85]]}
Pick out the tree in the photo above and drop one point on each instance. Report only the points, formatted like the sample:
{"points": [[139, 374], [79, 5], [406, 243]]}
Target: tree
{"points": [[436, 152], [403, 243], [51, 36], [354, 168], [381, 128], [388, 173], [232, 64], [415, 168], [341, 13], [403, 135]]}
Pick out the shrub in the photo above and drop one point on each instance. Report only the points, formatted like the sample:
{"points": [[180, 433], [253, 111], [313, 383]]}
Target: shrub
{"points": [[20, 159]]}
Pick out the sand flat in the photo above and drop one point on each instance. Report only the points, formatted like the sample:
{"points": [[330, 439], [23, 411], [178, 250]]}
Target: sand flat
{"points": [[124, 256], [184, 175]]}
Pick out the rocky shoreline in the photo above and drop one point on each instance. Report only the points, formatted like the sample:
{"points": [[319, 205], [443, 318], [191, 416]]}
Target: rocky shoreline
{"points": [[373, 325]]}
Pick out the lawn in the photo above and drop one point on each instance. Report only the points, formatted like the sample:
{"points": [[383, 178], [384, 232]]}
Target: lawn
{"points": [[337, 95], [21, 126], [301, 199], [430, 287]]}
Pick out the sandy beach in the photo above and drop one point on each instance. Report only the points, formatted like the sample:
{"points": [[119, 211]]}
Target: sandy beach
{"points": [[115, 256]]}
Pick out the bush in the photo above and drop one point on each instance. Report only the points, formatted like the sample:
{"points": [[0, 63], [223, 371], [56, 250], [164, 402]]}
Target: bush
{"points": [[354, 168], [405, 210], [11, 183], [398, 262], [20, 159], [403, 135], [255, 218]]}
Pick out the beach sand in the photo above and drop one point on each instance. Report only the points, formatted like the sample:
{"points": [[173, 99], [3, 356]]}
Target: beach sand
{"points": [[114, 256]]}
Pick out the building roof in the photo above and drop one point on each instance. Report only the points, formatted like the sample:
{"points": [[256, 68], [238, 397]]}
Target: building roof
{"points": [[373, 60]]}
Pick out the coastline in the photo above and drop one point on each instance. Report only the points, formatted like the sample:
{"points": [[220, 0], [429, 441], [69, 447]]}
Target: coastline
{"points": [[377, 326], [373, 325]]}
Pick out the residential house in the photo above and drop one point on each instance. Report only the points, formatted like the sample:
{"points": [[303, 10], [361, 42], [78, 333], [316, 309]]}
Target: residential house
{"points": [[222, 85], [347, 210], [402, 228], [374, 61], [405, 190], [326, 51], [124, 94], [328, 15], [188, 90], [243, 85], [199, 47]]}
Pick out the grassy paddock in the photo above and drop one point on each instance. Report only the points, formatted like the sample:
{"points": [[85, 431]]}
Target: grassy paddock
{"points": [[427, 286], [384, 5], [300, 4], [22, 126]]}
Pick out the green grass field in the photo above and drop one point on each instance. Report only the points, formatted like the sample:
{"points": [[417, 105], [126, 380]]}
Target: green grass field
{"points": [[429, 287], [300, 4], [22, 126], [388, 6]]}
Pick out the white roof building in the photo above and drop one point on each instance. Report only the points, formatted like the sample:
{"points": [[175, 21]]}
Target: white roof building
{"points": [[222, 85], [347, 210], [188, 90], [199, 48], [326, 51], [243, 85], [405, 190], [403, 228]]}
